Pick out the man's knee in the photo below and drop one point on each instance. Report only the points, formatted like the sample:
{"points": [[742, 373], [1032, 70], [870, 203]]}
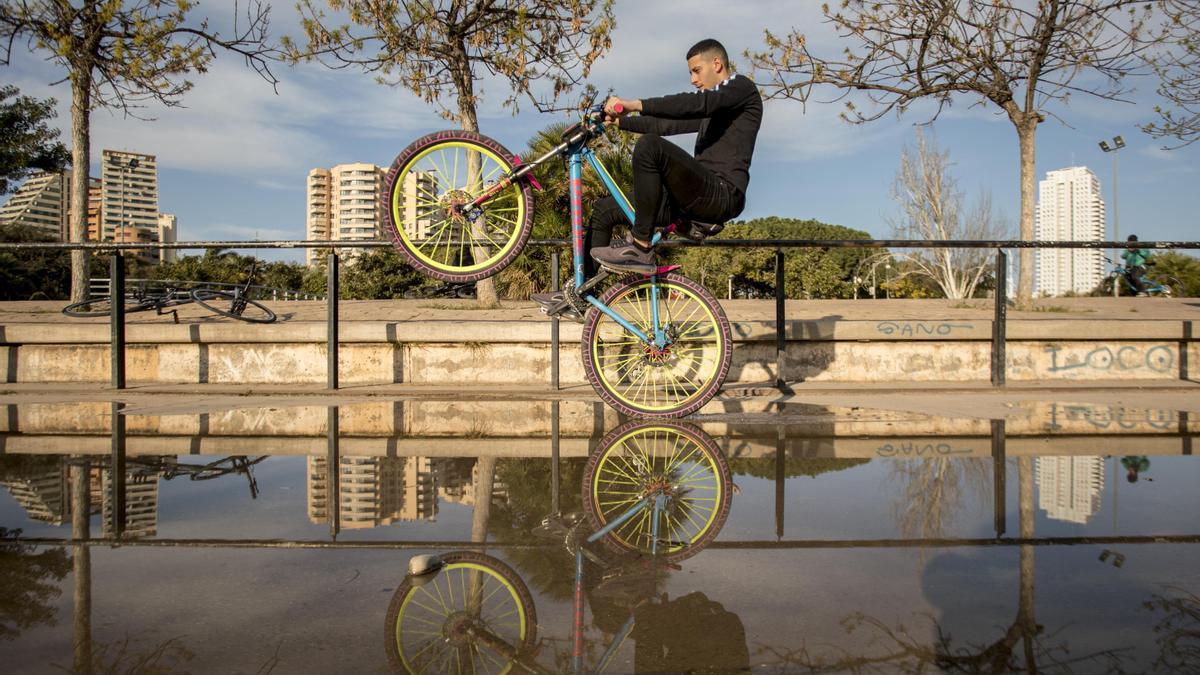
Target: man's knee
{"points": [[648, 147]]}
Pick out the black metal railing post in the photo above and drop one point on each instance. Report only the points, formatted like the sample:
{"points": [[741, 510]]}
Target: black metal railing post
{"points": [[331, 371], [116, 473], [333, 466], [780, 324], [555, 285], [555, 453], [999, 320], [116, 294], [780, 480], [999, 478]]}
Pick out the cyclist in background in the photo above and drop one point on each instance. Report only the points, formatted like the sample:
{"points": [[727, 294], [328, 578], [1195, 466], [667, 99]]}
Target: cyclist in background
{"points": [[1136, 260]]}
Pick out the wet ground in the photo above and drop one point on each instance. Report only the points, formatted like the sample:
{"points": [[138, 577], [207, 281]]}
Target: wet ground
{"points": [[1066, 537]]}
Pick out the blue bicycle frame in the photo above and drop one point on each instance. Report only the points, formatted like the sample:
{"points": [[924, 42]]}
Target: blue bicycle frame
{"points": [[577, 153]]}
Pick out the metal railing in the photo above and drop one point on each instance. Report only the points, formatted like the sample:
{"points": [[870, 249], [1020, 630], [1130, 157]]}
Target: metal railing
{"points": [[998, 338]]}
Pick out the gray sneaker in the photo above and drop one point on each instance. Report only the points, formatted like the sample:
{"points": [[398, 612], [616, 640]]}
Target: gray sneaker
{"points": [[626, 256], [549, 300]]}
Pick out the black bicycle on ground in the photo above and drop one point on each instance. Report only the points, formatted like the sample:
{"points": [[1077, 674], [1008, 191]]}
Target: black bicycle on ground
{"points": [[234, 303]]}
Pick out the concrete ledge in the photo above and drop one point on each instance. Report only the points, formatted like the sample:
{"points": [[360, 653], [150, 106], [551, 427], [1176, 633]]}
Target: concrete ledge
{"points": [[389, 342]]}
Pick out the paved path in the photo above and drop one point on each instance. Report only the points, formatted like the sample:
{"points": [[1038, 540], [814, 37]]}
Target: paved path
{"points": [[1131, 309]]}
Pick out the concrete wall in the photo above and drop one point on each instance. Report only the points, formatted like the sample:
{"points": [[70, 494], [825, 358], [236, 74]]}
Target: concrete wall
{"points": [[516, 353]]}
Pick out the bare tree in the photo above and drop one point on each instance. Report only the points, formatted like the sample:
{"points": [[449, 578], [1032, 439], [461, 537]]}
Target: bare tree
{"points": [[1178, 67], [438, 48], [119, 55], [1020, 56], [932, 207]]}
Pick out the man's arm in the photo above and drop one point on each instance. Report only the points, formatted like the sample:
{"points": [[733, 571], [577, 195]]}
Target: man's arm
{"points": [[648, 124], [699, 104]]}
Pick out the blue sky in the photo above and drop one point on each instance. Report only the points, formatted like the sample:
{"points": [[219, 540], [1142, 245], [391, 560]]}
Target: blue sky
{"points": [[233, 160]]}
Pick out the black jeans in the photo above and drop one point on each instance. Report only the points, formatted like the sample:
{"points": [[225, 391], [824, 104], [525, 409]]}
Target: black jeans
{"points": [[668, 183], [1137, 278]]}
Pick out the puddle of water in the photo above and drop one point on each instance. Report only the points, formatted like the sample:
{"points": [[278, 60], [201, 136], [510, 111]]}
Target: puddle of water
{"points": [[891, 551]]}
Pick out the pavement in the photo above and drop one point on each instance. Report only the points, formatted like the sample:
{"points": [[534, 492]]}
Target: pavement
{"points": [[1124, 308]]}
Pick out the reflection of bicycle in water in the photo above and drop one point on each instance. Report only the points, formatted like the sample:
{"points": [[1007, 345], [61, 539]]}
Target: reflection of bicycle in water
{"points": [[142, 469], [653, 494]]}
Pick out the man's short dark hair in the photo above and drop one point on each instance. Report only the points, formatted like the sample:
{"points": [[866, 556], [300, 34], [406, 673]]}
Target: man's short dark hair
{"points": [[709, 46]]}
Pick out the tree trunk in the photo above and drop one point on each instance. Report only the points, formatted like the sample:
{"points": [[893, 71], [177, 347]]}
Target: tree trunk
{"points": [[81, 563], [485, 289], [1026, 133], [81, 107]]}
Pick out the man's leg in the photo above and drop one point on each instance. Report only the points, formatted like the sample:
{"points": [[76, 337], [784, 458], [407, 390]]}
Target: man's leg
{"points": [[606, 215], [1138, 279], [666, 178]]}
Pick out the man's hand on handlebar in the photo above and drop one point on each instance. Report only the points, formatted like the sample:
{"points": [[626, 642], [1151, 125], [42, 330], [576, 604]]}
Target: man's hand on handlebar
{"points": [[614, 107]]}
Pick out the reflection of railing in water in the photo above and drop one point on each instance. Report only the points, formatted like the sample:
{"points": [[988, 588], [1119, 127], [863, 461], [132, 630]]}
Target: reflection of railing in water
{"points": [[999, 465], [747, 454]]}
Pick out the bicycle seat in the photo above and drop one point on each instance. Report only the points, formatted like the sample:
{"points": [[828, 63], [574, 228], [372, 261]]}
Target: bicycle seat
{"points": [[696, 230]]}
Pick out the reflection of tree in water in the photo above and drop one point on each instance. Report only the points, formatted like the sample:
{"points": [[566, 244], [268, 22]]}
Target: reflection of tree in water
{"points": [[551, 569], [132, 655], [764, 467], [1024, 646], [27, 583], [1178, 631], [932, 489]]}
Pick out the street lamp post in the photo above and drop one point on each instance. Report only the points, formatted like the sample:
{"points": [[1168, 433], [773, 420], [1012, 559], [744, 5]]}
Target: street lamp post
{"points": [[125, 173], [1117, 144]]}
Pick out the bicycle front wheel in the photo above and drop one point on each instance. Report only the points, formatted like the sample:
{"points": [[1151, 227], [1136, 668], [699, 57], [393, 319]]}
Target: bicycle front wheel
{"points": [[473, 616], [641, 379], [233, 305], [103, 307], [644, 458], [427, 189]]}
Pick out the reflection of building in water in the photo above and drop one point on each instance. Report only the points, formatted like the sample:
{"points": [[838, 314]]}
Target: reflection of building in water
{"points": [[43, 494], [374, 491], [141, 499], [456, 484], [1069, 487]]}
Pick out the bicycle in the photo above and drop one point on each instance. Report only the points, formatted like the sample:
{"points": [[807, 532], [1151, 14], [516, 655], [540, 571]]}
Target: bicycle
{"points": [[460, 208], [1156, 284], [234, 304], [658, 490]]}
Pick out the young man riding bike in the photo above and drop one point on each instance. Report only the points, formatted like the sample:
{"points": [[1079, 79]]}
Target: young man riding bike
{"points": [[1136, 260], [668, 183]]}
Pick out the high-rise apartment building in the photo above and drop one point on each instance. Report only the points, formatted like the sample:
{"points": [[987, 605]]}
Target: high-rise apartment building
{"points": [[129, 196], [167, 224], [1069, 208], [343, 204], [1069, 487], [373, 491], [43, 202]]}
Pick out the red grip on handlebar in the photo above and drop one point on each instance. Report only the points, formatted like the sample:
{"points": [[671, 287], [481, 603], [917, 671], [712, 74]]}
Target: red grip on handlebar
{"points": [[618, 108]]}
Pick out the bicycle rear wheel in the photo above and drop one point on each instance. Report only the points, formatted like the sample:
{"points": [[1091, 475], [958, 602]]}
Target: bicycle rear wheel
{"points": [[639, 458], [233, 305], [639, 379], [437, 624], [103, 307], [426, 185], [1172, 287]]}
